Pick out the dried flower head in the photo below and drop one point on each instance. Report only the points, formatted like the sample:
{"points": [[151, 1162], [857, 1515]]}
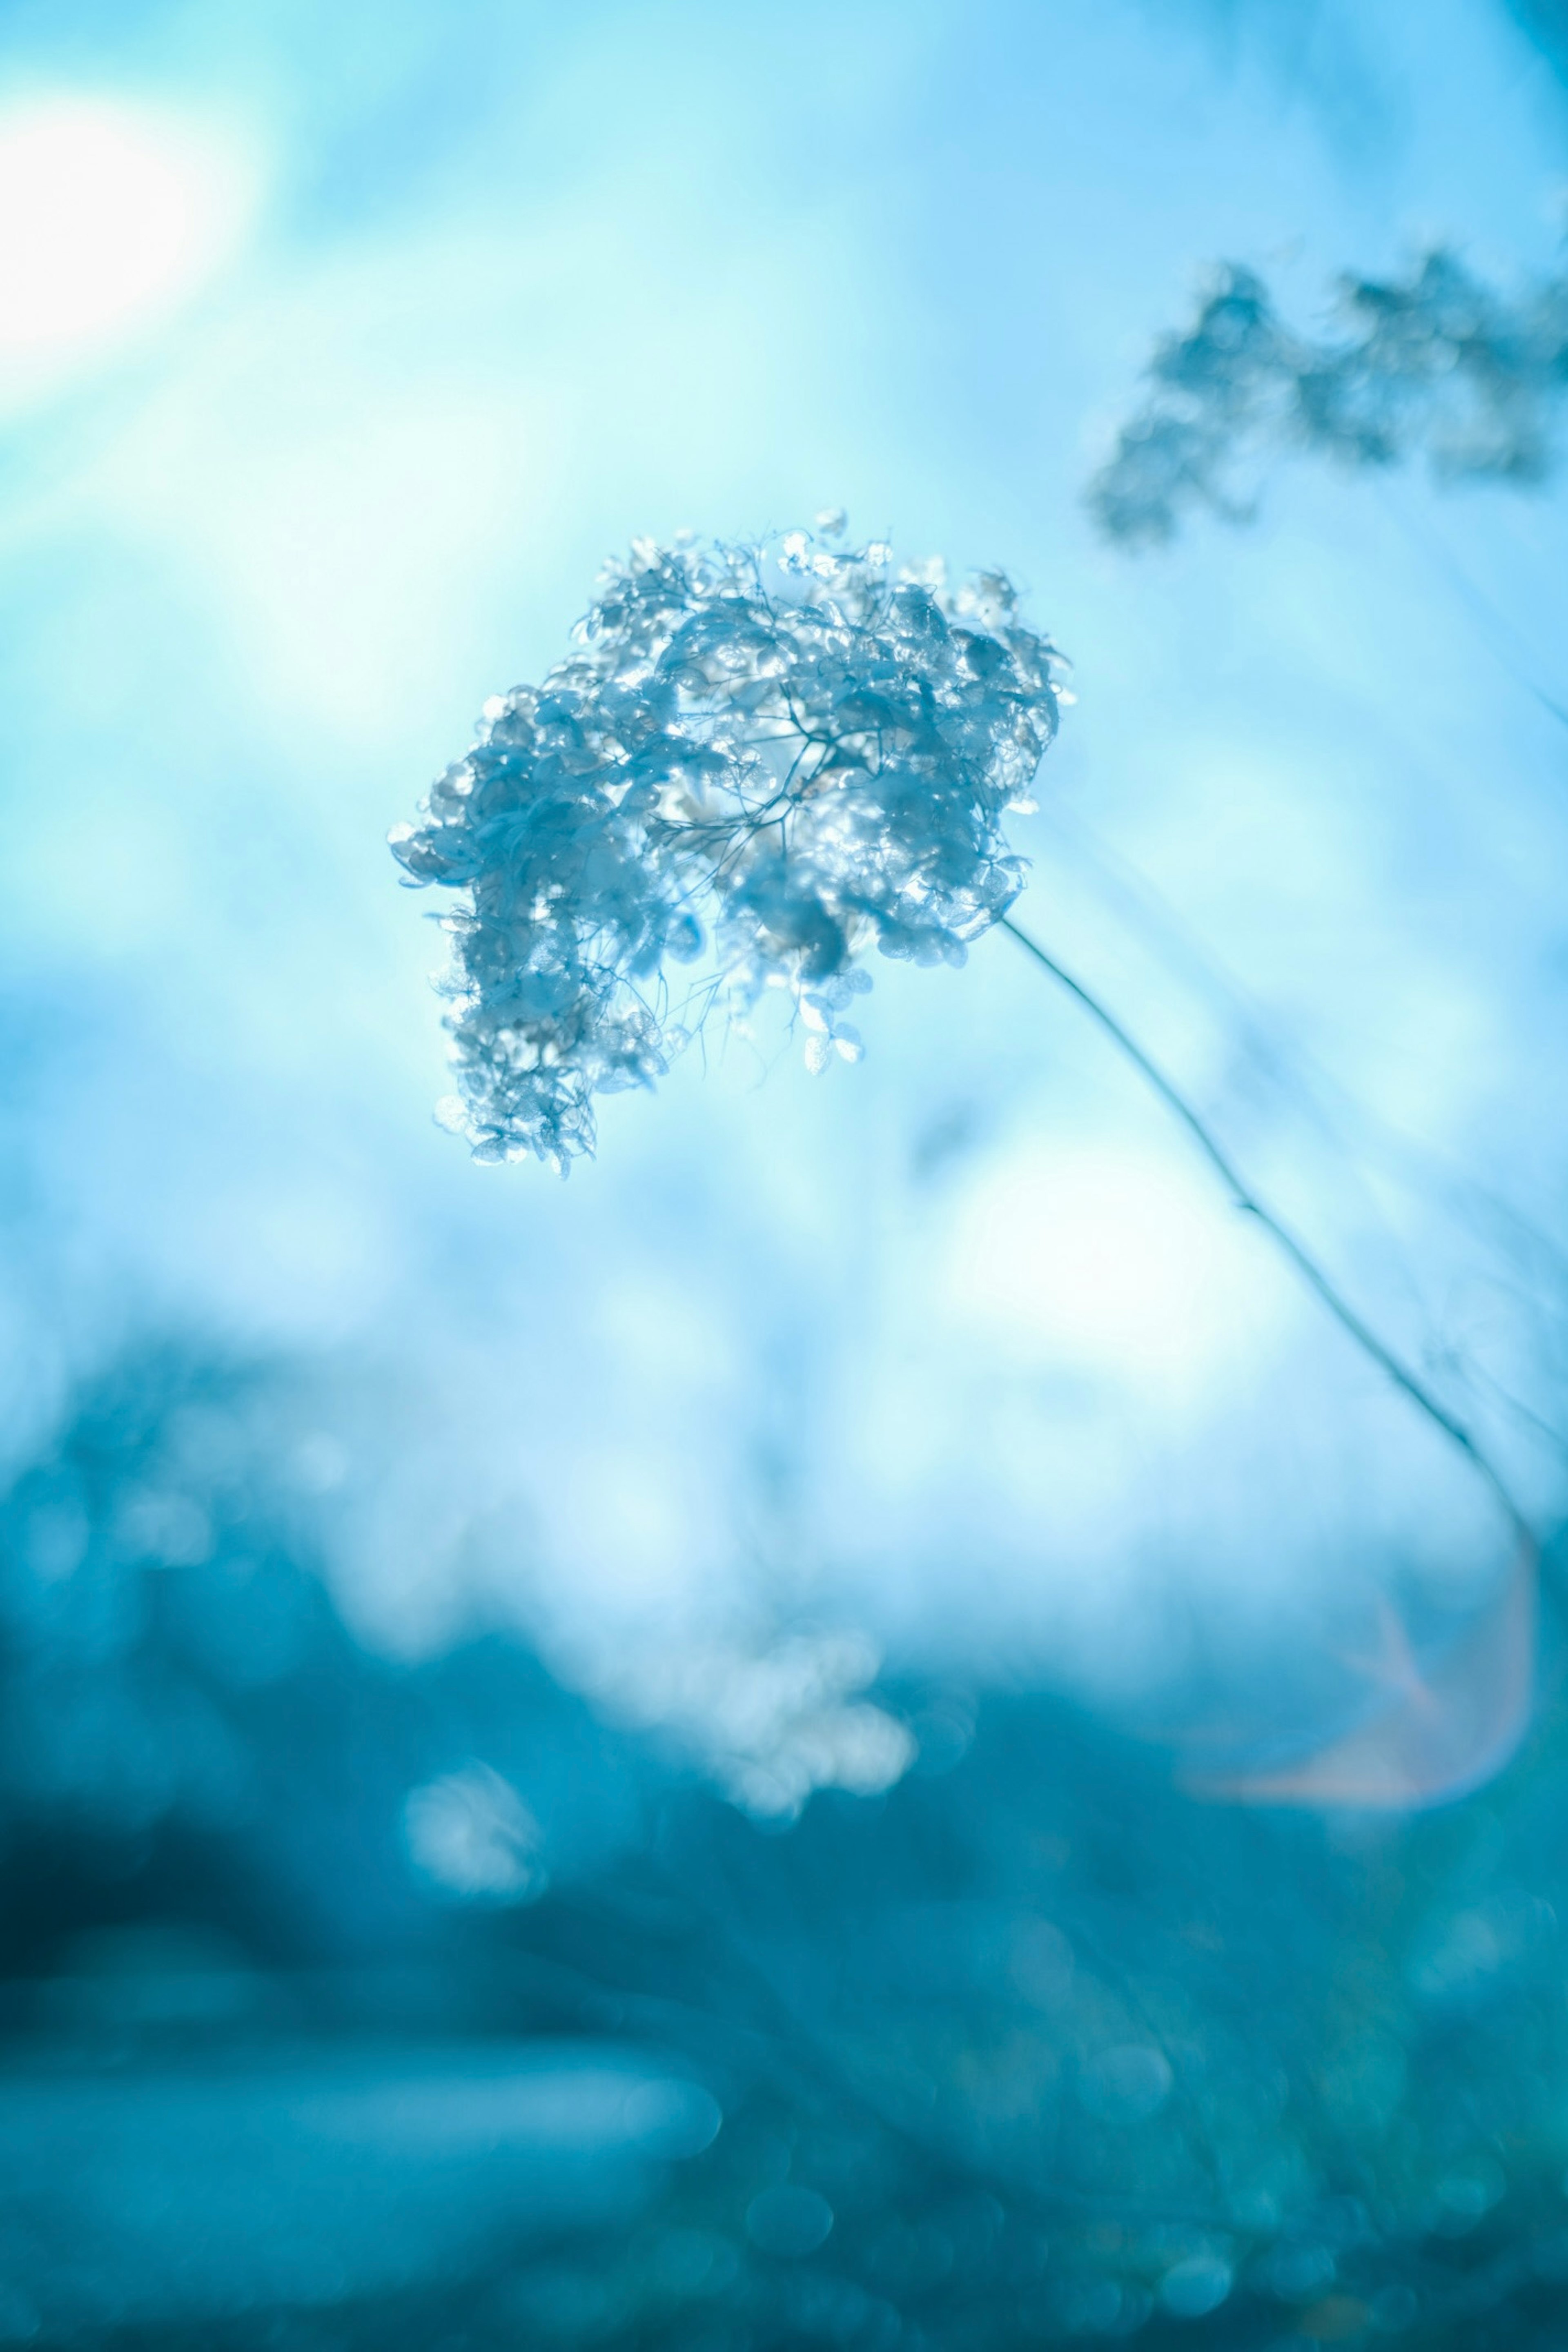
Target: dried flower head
{"points": [[1435, 363], [759, 761]]}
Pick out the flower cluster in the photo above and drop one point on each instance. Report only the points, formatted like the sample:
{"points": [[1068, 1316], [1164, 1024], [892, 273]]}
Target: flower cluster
{"points": [[758, 761], [1435, 362]]}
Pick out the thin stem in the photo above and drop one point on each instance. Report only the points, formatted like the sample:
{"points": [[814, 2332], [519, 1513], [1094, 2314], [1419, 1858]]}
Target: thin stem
{"points": [[1320, 1283]]}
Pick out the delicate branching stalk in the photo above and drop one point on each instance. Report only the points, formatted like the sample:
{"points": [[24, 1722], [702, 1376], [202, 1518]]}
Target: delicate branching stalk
{"points": [[1320, 1283]]}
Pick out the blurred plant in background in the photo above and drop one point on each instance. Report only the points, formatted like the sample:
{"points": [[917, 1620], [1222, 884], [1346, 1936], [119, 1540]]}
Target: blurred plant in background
{"points": [[1437, 364], [1031, 2048]]}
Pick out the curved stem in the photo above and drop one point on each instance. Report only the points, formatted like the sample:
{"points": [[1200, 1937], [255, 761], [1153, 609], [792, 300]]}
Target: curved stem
{"points": [[1317, 1279]]}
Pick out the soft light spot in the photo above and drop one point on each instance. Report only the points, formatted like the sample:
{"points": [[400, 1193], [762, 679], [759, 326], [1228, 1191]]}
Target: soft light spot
{"points": [[1119, 1263], [111, 217], [471, 1835], [1126, 2085], [1193, 2288], [789, 2220]]}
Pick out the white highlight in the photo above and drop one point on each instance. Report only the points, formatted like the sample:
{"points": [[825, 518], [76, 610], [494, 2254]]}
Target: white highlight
{"points": [[111, 217], [771, 1725], [1109, 1262], [471, 1836]]}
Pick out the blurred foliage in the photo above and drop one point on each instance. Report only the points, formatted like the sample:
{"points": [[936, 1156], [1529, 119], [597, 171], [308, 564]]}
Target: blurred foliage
{"points": [[1435, 362], [1032, 2048]]}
